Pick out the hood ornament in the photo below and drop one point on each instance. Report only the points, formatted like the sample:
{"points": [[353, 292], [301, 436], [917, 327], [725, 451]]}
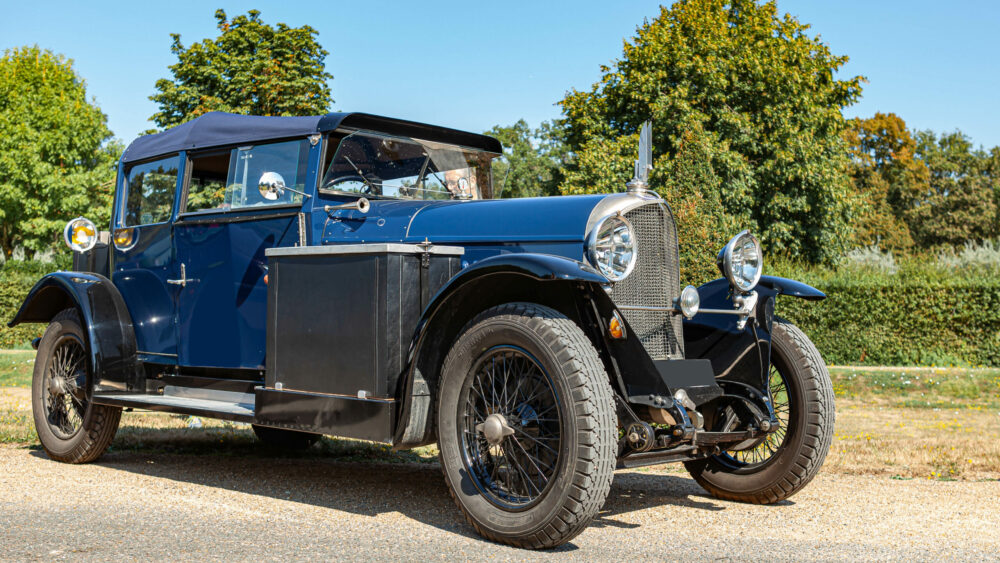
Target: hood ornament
{"points": [[640, 182]]}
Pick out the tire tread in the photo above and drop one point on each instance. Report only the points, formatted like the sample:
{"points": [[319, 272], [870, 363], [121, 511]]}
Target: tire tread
{"points": [[99, 428], [597, 426], [818, 430]]}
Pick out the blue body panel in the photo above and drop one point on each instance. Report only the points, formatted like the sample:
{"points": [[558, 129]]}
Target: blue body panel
{"points": [[140, 275], [218, 319], [221, 314]]}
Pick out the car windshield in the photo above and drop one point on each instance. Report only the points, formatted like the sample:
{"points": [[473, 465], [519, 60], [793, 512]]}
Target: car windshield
{"points": [[401, 167]]}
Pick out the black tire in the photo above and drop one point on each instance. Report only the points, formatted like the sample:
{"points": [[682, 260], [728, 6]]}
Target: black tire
{"points": [[548, 504], [797, 458], [71, 428], [291, 440]]}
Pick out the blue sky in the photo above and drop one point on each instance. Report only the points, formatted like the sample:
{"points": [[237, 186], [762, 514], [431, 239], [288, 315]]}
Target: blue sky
{"points": [[471, 65]]}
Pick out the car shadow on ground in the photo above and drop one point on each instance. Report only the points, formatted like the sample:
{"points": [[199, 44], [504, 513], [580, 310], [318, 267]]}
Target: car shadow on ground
{"points": [[370, 488]]}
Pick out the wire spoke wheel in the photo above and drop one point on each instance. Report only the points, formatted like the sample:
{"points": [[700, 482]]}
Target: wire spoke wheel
{"points": [[71, 427], [779, 464], [65, 398], [510, 427], [772, 444]]}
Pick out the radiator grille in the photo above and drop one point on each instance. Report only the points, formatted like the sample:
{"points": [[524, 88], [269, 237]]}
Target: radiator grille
{"points": [[655, 282]]}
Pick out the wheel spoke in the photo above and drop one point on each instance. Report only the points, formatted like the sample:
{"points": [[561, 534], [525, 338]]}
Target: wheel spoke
{"points": [[64, 405], [771, 444], [509, 387]]}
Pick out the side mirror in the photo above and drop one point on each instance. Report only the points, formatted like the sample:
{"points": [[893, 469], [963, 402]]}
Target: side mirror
{"points": [[271, 186]]}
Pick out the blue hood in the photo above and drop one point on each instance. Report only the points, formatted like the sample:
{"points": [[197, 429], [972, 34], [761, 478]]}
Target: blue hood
{"points": [[540, 219], [503, 221]]}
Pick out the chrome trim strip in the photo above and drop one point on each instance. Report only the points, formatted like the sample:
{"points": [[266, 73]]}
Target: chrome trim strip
{"points": [[157, 354], [619, 203], [412, 217], [201, 393], [655, 309], [334, 395], [372, 248]]}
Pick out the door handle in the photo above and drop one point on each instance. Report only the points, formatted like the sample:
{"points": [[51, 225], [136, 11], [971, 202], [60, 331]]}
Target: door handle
{"points": [[184, 279]]}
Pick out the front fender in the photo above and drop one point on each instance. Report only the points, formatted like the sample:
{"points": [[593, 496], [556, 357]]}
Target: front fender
{"points": [[785, 286], [106, 323], [739, 355], [484, 284]]}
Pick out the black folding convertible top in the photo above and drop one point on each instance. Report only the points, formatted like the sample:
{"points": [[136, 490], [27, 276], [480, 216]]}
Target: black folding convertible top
{"points": [[217, 129]]}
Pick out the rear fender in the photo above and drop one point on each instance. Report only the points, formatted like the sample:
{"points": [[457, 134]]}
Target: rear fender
{"points": [[106, 323]]}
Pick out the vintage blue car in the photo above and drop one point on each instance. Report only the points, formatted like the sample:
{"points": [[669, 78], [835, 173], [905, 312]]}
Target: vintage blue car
{"points": [[354, 275]]}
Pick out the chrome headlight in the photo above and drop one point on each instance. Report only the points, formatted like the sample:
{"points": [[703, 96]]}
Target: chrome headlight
{"points": [[741, 261], [611, 247], [80, 234]]}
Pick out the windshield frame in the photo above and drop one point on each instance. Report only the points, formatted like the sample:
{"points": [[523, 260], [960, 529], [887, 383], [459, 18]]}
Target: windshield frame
{"points": [[333, 142]]}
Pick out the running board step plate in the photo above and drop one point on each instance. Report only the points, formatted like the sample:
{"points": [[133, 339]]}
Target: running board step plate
{"points": [[240, 412]]}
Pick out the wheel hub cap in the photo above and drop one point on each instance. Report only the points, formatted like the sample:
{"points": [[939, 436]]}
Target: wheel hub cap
{"points": [[494, 429], [56, 386]]}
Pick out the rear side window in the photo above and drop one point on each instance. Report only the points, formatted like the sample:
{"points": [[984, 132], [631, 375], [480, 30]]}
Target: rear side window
{"points": [[232, 180], [149, 192]]}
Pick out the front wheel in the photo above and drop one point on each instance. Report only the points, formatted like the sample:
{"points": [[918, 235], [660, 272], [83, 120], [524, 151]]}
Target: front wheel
{"points": [[526, 426], [784, 462], [70, 426]]}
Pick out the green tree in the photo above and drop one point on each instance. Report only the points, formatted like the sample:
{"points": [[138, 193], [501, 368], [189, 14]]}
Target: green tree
{"points": [[53, 166], [760, 94], [532, 160], [960, 202], [691, 186], [887, 179], [250, 68]]}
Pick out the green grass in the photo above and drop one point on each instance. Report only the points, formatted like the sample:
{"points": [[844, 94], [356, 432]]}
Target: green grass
{"points": [[920, 387], [16, 368]]}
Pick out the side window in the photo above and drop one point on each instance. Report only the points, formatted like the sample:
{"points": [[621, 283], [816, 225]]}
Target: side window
{"points": [[232, 180], [149, 192], [207, 188]]}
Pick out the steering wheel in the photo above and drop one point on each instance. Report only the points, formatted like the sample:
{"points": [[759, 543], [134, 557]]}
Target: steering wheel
{"points": [[369, 183]]}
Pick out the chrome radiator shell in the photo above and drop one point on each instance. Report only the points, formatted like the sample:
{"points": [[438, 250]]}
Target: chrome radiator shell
{"points": [[646, 296]]}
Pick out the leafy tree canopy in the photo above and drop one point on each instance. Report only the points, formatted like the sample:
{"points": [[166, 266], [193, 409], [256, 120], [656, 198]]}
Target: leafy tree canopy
{"points": [[960, 204], [250, 68], [919, 191], [755, 92], [532, 160], [887, 178], [53, 166]]}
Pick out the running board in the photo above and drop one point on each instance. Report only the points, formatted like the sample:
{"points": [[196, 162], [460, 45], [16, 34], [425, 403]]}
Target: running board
{"points": [[236, 411]]}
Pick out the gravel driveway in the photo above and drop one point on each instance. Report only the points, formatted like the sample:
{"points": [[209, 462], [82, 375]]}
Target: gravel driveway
{"points": [[203, 507]]}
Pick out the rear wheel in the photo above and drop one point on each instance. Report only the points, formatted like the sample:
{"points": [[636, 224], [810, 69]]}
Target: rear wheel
{"points": [[290, 440], [526, 426], [70, 426], [785, 461]]}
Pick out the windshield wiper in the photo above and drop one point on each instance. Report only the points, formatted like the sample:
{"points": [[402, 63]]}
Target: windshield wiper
{"points": [[371, 186]]}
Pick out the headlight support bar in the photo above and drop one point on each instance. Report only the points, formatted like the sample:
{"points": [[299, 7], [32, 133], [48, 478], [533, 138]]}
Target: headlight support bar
{"points": [[744, 307]]}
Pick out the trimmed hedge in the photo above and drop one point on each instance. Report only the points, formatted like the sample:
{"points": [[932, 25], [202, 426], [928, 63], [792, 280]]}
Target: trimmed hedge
{"points": [[916, 316], [16, 280]]}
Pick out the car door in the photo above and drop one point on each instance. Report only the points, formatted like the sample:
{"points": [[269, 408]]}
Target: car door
{"points": [[142, 254], [225, 225]]}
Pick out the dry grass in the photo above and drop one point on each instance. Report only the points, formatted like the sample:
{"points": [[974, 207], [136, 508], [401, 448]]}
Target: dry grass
{"points": [[932, 423], [906, 442]]}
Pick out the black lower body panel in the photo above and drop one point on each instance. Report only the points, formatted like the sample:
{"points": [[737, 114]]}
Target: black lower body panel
{"points": [[336, 415]]}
